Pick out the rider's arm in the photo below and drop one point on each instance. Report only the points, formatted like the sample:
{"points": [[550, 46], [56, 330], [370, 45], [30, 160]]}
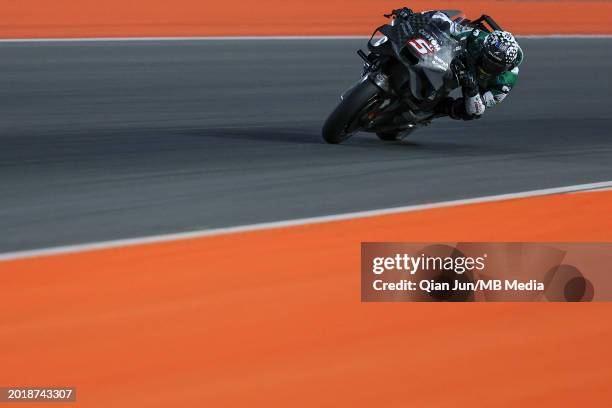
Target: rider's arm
{"points": [[500, 88]]}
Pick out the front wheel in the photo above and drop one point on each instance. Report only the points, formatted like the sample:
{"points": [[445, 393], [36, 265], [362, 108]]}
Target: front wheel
{"points": [[343, 122]]}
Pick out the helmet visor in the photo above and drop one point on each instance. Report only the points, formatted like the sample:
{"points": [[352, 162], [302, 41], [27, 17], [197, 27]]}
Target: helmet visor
{"points": [[490, 66]]}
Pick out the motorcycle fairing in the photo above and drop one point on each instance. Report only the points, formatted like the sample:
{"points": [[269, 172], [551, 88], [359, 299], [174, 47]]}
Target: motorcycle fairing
{"points": [[426, 49]]}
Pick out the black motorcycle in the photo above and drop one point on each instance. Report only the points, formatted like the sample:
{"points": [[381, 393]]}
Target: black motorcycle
{"points": [[406, 74]]}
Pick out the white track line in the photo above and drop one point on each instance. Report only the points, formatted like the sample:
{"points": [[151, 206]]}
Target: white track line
{"points": [[291, 223], [258, 38]]}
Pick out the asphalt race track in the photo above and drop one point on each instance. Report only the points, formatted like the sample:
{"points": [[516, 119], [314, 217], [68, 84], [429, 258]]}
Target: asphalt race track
{"points": [[107, 140]]}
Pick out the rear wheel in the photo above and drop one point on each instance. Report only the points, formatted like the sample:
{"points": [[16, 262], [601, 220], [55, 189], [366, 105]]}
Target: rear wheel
{"points": [[388, 136], [343, 122], [394, 135]]}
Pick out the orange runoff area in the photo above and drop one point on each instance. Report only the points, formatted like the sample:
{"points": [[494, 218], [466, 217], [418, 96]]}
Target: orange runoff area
{"points": [[273, 318], [138, 18]]}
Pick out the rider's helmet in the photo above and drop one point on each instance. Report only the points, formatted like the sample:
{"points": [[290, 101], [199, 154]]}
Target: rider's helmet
{"points": [[500, 53]]}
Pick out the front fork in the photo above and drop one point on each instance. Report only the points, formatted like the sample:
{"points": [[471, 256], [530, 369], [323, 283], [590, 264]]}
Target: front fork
{"points": [[373, 71]]}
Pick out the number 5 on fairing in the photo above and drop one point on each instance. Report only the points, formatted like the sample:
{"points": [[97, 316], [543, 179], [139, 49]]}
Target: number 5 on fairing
{"points": [[422, 46]]}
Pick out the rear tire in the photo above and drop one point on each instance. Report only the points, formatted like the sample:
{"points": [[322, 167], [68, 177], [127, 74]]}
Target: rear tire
{"points": [[342, 123], [395, 135], [388, 136]]}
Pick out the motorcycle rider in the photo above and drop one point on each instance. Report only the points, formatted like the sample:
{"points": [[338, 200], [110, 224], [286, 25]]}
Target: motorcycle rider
{"points": [[487, 70]]}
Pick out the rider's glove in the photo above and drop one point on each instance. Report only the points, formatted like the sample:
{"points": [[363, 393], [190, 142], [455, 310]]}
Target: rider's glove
{"points": [[465, 75]]}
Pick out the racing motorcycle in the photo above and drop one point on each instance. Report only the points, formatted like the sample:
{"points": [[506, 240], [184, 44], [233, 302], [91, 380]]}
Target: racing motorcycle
{"points": [[406, 74]]}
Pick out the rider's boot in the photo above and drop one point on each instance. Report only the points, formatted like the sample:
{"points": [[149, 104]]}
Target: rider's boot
{"points": [[454, 108], [448, 107]]}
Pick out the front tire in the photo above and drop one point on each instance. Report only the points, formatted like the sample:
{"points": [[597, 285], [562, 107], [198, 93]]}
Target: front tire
{"points": [[343, 122]]}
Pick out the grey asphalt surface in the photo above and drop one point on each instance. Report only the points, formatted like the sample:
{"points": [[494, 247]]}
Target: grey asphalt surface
{"points": [[111, 140]]}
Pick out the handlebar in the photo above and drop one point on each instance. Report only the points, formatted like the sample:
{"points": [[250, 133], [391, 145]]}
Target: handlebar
{"points": [[399, 13], [489, 20]]}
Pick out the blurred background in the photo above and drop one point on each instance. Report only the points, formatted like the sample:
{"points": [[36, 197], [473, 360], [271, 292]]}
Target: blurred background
{"points": [[128, 18]]}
